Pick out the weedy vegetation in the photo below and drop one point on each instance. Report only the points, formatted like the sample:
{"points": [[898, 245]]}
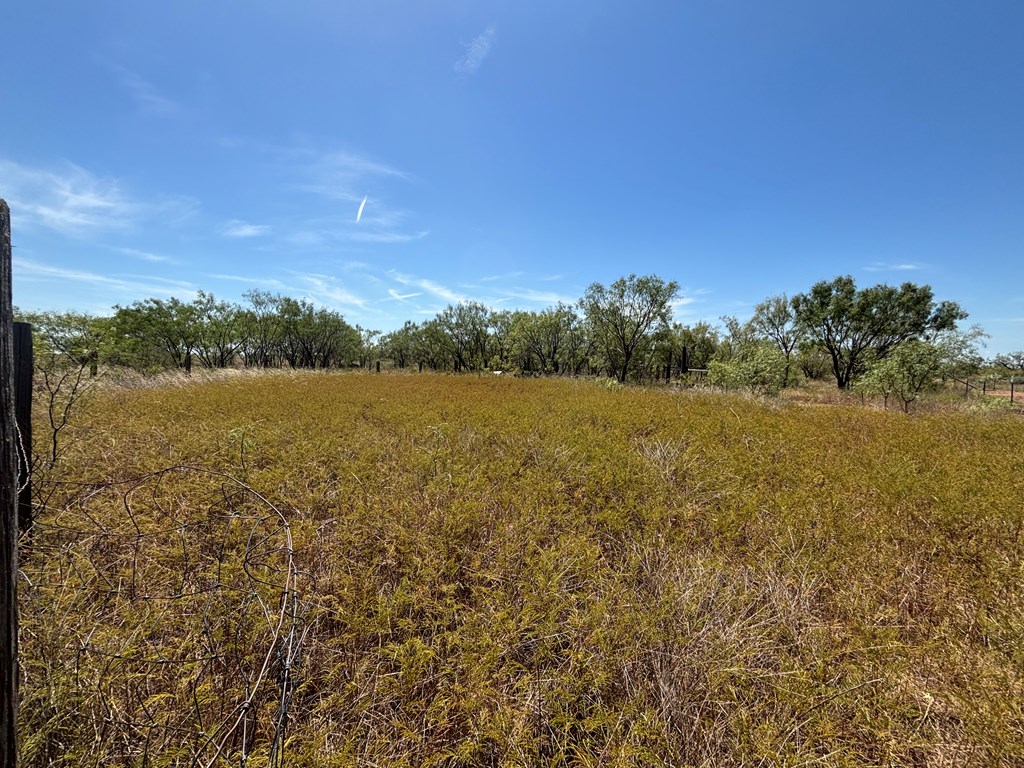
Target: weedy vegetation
{"points": [[331, 569]]}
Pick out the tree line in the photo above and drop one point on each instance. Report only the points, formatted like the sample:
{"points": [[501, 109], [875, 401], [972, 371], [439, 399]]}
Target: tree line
{"points": [[624, 330]]}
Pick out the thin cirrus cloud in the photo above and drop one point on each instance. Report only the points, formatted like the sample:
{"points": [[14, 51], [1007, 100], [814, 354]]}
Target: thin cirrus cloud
{"points": [[145, 95], [403, 297], [549, 298], [344, 179], [70, 200], [476, 51], [384, 237], [237, 228], [328, 290], [154, 258], [77, 203], [883, 266], [325, 236], [504, 276], [340, 175], [266, 282], [427, 286], [128, 285]]}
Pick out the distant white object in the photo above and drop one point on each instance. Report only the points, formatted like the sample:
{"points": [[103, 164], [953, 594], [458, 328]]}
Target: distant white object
{"points": [[361, 206]]}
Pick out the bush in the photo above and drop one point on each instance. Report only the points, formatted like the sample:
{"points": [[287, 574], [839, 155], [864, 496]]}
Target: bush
{"points": [[759, 368]]}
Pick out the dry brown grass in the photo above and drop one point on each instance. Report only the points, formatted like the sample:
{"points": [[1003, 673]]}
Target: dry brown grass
{"points": [[499, 572]]}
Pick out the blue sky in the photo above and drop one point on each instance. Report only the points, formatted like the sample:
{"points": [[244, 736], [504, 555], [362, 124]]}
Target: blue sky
{"points": [[513, 152]]}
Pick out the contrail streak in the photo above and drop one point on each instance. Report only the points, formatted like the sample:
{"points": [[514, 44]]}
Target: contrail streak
{"points": [[361, 206]]}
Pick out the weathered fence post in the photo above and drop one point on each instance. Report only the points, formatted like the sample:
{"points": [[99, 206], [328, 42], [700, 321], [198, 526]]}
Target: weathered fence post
{"points": [[378, 366], [684, 363], [23, 418], [1011, 389], [8, 508]]}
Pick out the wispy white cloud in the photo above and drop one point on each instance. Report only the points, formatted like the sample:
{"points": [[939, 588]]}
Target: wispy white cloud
{"points": [[146, 96], [682, 302], [476, 51], [266, 282], [429, 286], [548, 298], [341, 175], [504, 276], [77, 203], [402, 296], [157, 280], [882, 266], [329, 290], [70, 200], [383, 237], [343, 179], [691, 305], [241, 229], [327, 233], [134, 286], [145, 255]]}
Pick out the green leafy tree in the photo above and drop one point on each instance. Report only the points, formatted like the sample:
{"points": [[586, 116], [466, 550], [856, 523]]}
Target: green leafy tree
{"points": [[916, 366], [577, 346], [368, 345], [314, 337], [70, 338], [623, 315], [465, 328], [701, 342], [813, 361], [432, 347], [774, 319], [399, 345], [737, 337], [261, 329], [857, 326], [219, 335], [758, 366], [546, 337], [502, 339], [155, 331], [1011, 361]]}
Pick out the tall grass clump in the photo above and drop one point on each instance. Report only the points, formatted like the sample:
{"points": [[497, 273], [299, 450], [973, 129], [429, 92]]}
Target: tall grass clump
{"points": [[402, 570]]}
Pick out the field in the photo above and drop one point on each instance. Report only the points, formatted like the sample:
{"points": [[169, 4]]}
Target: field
{"points": [[360, 570]]}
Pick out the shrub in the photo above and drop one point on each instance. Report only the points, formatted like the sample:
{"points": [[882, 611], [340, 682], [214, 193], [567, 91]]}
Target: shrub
{"points": [[757, 367]]}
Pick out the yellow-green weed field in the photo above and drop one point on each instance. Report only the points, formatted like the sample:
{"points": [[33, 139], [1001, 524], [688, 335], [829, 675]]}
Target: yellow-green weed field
{"points": [[405, 570]]}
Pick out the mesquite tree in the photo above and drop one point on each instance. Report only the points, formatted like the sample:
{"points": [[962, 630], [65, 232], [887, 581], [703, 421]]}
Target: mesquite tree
{"points": [[623, 315], [857, 326]]}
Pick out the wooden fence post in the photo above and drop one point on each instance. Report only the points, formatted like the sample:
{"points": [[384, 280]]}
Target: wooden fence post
{"points": [[8, 508], [1011, 389], [23, 418]]}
